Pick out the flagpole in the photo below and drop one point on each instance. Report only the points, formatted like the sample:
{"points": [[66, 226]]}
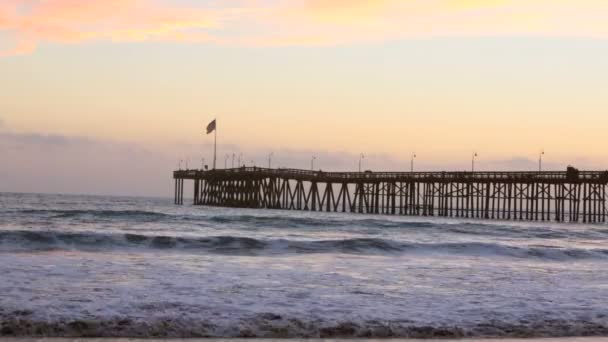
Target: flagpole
{"points": [[215, 146]]}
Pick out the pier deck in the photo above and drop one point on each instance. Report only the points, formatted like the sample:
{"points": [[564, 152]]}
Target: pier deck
{"points": [[563, 196]]}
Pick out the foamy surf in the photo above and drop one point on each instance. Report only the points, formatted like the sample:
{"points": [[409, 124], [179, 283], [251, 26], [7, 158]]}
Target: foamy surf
{"points": [[110, 267], [32, 240]]}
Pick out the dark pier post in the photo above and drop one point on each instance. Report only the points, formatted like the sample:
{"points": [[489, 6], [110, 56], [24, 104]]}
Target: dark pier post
{"points": [[180, 192], [175, 191], [585, 202], [478, 198], [515, 200], [196, 194], [557, 197], [578, 188], [542, 201], [376, 195], [604, 208], [510, 200], [315, 203], [571, 203], [521, 201], [344, 193], [329, 194], [562, 201], [596, 203], [487, 206], [177, 185]]}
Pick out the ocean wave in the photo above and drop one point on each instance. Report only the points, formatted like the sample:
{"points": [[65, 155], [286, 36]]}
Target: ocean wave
{"points": [[271, 325], [257, 221], [25, 240], [75, 213], [287, 221], [313, 222]]}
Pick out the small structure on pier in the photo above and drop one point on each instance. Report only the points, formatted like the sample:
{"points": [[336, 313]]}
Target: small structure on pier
{"points": [[563, 196]]}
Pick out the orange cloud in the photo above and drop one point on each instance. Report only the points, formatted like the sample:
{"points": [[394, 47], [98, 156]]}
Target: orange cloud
{"points": [[345, 10], [68, 21], [304, 22], [341, 21]]}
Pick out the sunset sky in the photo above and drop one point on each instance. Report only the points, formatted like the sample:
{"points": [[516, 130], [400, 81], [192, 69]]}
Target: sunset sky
{"points": [[105, 96]]}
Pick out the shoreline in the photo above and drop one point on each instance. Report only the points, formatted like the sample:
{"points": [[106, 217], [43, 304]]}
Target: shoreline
{"points": [[272, 326], [93, 339]]}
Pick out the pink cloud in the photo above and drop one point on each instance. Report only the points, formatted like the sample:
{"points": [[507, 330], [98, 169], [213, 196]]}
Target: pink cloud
{"points": [[304, 22], [31, 22]]}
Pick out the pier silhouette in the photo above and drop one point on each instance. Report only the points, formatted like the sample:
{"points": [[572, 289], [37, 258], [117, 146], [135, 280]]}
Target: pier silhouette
{"points": [[562, 196]]}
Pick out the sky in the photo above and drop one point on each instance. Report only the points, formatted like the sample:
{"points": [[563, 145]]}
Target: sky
{"points": [[107, 96]]}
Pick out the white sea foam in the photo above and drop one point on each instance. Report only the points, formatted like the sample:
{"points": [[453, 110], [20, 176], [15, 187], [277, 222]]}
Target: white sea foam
{"points": [[355, 276]]}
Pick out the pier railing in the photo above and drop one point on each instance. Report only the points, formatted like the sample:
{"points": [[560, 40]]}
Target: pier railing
{"points": [[598, 176]]}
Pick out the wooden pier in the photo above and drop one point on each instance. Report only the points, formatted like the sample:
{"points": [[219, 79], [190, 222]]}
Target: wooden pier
{"points": [[568, 196]]}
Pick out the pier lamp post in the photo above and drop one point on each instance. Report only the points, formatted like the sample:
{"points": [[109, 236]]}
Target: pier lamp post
{"points": [[540, 160], [361, 157], [412, 162], [270, 159], [203, 164], [240, 157], [312, 163], [179, 165], [187, 160], [233, 156], [473, 161], [226, 161]]}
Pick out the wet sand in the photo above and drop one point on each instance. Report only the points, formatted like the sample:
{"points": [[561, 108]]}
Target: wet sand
{"points": [[565, 339]]}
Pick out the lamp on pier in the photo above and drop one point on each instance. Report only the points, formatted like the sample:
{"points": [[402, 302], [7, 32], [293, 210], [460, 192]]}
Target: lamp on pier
{"points": [[412, 162], [473, 161], [361, 157]]}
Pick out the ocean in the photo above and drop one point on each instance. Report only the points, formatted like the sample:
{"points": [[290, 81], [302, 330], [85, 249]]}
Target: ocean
{"points": [[78, 266]]}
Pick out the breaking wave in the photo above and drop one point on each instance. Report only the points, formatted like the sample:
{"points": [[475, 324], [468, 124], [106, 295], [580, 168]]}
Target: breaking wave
{"points": [[120, 214], [24, 240], [281, 221], [255, 220]]}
